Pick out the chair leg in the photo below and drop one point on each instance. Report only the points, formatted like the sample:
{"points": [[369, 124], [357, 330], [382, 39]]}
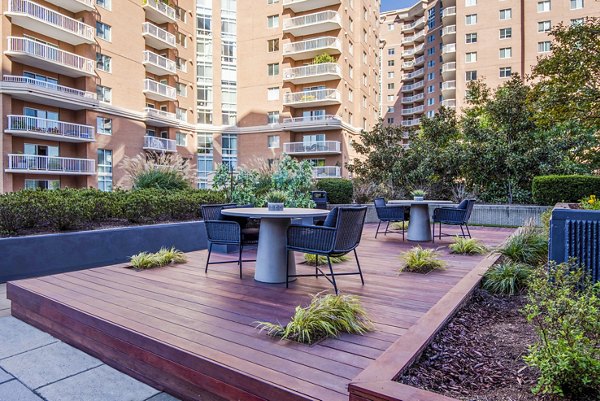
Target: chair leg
{"points": [[433, 232], [377, 231], [403, 228], [359, 270], [440, 231], [468, 231], [287, 271], [317, 266], [332, 275], [462, 231], [240, 259], [208, 258], [386, 228]]}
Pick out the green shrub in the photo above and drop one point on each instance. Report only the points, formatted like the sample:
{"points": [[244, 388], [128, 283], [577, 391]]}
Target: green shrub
{"points": [[311, 259], [467, 246], [339, 190], [399, 225], [529, 246], [563, 306], [168, 171], [66, 209], [326, 316], [545, 219], [419, 260], [146, 206], [508, 278], [552, 189], [160, 180], [165, 256]]}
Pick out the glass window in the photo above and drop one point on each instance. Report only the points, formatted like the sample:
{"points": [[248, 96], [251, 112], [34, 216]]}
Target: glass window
{"points": [[471, 19], [229, 144], [104, 125], [391, 51], [470, 75], [273, 141], [181, 138], [42, 184], [543, 6], [272, 117], [103, 31], [391, 63], [391, 109], [430, 101], [471, 38], [470, 57], [506, 52], [181, 89], [576, 4], [104, 4], [103, 62], [544, 26], [205, 144], [470, 3], [273, 69], [506, 14], [390, 85], [505, 33], [544, 47], [205, 167], [273, 45], [273, 93], [577, 21], [105, 170], [272, 1], [390, 120], [505, 72], [273, 21], [104, 93], [430, 76]]}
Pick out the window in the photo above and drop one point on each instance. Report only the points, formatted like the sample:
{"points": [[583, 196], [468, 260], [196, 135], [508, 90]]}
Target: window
{"points": [[391, 74], [577, 21], [273, 69], [350, 48], [181, 39], [365, 36], [273, 21], [505, 33], [273, 141], [470, 57], [391, 51], [179, 13], [471, 38], [430, 101], [350, 95], [576, 4], [543, 6], [104, 4], [272, 1], [42, 184], [105, 170], [364, 58], [104, 93], [430, 76], [390, 27], [390, 98], [229, 148], [391, 109], [470, 75], [430, 89], [364, 102], [272, 117], [470, 3], [181, 114], [505, 72], [365, 80], [506, 14], [181, 64], [391, 63], [104, 125], [430, 38], [390, 120], [350, 71], [544, 47], [181, 89], [506, 52], [205, 144], [273, 93], [205, 167], [103, 62], [431, 51], [103, 31], [430, 63], [544, 26], [181, 139], [273, 45], [471, 19], [390, 85]]}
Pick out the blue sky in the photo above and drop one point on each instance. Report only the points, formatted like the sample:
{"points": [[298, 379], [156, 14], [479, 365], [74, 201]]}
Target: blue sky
{"points": [[387, 5]]}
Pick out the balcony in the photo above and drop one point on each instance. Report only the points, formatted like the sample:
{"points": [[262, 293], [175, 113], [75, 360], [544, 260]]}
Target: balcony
{"points": [[157, 37], [312, 148], [449, 52], [415, 74], [411, 123], [308, 49], [414, 25], [306, 5], [413, 86], [159, 92], [449, 15], [34, 164], [155, 143], [41, 55], [312, 73], [414, 98], [50, 94], [413, 110], [413, 63], [416, 37], [160, 118], [158, 65], [312, 23], [450, 103], [312, 123], [312, 98], [449, 34], [413, 51], [74, 5], [327, 172], [52, 130], [448, 88], [159, 12], [48, 22], [449, 70]]}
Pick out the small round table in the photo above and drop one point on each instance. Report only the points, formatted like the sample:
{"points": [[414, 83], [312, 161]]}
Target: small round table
{"points": [[419, 227], [272, 253]]}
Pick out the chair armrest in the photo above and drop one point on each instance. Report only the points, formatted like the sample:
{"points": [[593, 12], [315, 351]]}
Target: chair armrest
{"points": [[449, 214], [391, 212], [311, 238], [223, 230]]}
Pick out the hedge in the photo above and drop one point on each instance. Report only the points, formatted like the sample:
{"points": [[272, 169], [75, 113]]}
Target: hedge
{"points": [[552, 189], [67, 209], [339, 190]]}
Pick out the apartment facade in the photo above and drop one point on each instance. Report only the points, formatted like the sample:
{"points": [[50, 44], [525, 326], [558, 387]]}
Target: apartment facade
{"points": [[464, 40]]}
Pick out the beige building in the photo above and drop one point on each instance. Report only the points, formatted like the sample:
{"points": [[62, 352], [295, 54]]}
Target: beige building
{"points": [[463, 40]]}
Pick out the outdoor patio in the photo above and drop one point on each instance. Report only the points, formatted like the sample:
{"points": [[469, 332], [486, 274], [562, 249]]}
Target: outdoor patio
{"points": [[190, 333]]}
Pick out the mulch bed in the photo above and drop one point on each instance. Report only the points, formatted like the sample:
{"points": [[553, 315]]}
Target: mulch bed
{"points": [[478, 356]]}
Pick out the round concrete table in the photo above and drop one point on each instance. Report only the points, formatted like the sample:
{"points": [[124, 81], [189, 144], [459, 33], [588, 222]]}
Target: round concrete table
{"points": [[272, 252], [419, 227]]}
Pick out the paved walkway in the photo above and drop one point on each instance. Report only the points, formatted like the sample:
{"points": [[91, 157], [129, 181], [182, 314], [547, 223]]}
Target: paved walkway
{"points": [[34, 366]]}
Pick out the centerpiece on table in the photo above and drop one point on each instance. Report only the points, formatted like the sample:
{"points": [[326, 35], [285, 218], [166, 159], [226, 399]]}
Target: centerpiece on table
{"points": [[275, 201]]}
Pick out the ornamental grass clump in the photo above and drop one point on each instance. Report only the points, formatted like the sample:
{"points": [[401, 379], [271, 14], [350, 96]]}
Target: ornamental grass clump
{"points": [[311, 259], [164, 257], [529, 246], [507, 278], [467, 246], [326, 316], [420, 260]]}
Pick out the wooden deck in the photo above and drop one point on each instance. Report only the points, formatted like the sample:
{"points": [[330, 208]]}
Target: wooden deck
{"points": [[193, 334]]}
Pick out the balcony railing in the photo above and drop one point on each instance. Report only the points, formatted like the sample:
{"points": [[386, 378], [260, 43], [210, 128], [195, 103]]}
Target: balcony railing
{"points": [[411, 123], [157, 113], [410, 52], [76, 65], [314, 96], [449, 67], [159, 11], [160, 89], [412, 25], [163, 37], [414, 37], [312, 147], [449, 12], [58, 89], [158, 64], [449, 30], [312, 70], [411, 87], [409, 64], [50, 165], [414, 98], [413, 110], [449, 85], [414, 74], [451, 103], [315, 45], [32, 126], [159, 144], [327, 172], [325, 17], [449, 48], [52, 18], [74, 5], [306, 5]]}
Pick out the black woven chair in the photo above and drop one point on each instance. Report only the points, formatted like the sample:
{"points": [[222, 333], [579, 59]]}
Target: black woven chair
{"points": [[457, 216], [389, 214], [227, 230], [339, 235]]}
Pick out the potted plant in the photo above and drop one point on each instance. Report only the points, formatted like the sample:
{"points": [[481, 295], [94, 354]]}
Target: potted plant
{"points": [[275, 201], [418, 194]]}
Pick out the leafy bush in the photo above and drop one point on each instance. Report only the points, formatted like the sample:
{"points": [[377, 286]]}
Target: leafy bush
{"points": [[508, 278], [467, 246], [66, 209], [276, 197], [311, 259], [563, 306], [552, 189], [399, 225], [323, 58], [545, 219], [590, 203], [326, 316], [529, 246], [339, 190], [421, 260], [146, 206], [160, 180], [165, 256]]}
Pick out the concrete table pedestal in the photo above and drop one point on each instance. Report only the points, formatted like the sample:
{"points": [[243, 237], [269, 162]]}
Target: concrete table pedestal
{"points": [[419, 225]]}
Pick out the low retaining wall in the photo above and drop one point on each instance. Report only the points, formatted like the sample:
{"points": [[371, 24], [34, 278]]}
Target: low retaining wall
{"points": [[38, 255]]}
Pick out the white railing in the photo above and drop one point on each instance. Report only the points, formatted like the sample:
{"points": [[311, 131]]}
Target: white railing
{"points": [[414, 74], [410, 123], [449, 48], [312, 147], [159, 61], [413, 37], [316, 95], [311, 44], [449, 85], [327, 172], [446, 12], [447, 67], [416, 85], [161, 89], [51, 17], [312, 19], [50, 53], [451, 103], [151, 112], [161, 7], [417, 109], [414, 50], [51, 164], [63, 90], [312, 70], [158, 33], [414, 98], [413, 24], [412, 63], [161, 144], [306, 119], [290, 2], [50, 127], [448, 30]]}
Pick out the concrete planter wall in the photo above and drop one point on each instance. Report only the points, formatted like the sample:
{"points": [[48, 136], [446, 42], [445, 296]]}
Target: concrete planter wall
{"points": [[38, 255]]}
